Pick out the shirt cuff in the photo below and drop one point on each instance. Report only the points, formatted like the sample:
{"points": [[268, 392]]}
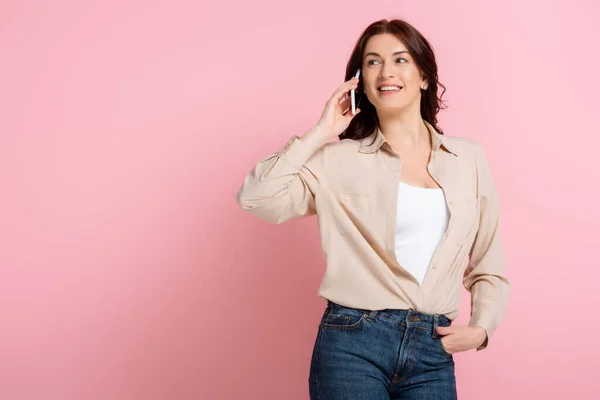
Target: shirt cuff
{"points": [[486, 325]]}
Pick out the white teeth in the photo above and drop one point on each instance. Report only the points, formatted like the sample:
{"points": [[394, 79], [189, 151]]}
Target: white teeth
{"points": [[386, 88]]}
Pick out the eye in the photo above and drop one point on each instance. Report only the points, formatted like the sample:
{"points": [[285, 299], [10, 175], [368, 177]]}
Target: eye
{"points": [[370, 62]]}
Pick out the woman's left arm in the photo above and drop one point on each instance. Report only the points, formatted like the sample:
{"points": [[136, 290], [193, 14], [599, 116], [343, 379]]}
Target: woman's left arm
{"points": [[484, 277]]}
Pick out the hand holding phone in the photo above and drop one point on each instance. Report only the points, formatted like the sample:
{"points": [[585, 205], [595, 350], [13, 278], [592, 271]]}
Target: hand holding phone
{"points": [[336, 115]]}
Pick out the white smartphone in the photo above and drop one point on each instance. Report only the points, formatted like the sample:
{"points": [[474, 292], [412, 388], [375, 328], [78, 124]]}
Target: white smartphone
{"points": [[353, 95]]}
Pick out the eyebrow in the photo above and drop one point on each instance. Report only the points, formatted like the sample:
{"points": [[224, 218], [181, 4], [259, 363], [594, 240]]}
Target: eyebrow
{"points": [[377, 55]]}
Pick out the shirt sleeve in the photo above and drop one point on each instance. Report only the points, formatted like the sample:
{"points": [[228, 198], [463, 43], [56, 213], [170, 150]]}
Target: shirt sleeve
{"points": [[282, 186], [484, 277]]}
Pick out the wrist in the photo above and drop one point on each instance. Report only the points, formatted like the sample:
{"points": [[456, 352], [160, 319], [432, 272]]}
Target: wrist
{"points": [[316, 137], [481, 334]]}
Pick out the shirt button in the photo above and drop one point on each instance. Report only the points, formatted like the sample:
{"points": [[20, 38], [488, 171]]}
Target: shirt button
{"points": [[434, 266], [346, 199], [451, 202]]}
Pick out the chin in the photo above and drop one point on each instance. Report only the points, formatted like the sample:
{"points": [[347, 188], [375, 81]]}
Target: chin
{"points": [[391, 108]]}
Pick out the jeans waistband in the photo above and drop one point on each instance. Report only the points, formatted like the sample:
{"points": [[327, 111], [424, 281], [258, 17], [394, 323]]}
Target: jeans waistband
{"points": [[408, 317]]}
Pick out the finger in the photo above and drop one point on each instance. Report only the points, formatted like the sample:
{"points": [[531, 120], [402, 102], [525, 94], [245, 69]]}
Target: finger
{"points": [[444, 330], [347, 83], [345, 101], [344, 89], [349, 115]]}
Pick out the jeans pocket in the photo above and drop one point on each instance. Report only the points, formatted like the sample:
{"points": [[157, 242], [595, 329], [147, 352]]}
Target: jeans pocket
{"points": [[442, 348], [343, 321]]}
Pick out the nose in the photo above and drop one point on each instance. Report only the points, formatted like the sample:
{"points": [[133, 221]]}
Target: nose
{"points": [[385, 72]]}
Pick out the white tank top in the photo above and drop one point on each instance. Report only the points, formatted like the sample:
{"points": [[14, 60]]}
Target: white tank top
{"points": [[421, 220]]}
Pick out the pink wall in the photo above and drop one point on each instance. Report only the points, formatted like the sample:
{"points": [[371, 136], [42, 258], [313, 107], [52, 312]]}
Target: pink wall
{"points": [[128, 272]]}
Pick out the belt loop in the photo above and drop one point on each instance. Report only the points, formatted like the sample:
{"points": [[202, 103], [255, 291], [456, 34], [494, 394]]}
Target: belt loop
{"points": [[329, 305], [436, 319], [372, 315]]}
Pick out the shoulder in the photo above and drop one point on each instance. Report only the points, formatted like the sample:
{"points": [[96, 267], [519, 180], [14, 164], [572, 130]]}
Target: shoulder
{"points": [[341, 149], [343, 145], [462, 145], [465, 147]]}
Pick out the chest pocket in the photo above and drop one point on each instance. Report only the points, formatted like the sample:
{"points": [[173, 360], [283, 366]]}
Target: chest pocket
{"points": [[352, 211]]}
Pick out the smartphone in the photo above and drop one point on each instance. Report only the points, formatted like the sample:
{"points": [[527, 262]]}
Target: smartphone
{"points": [[353, 95]]}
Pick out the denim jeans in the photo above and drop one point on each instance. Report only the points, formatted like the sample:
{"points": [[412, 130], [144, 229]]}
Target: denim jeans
{"points": [[382, 354]]}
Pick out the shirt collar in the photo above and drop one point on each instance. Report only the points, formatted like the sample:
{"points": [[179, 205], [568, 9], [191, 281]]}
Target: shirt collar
{"points": [[374, 141]]}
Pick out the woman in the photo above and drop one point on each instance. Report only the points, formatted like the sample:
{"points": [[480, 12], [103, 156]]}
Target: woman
{"points": [[407, 215]]}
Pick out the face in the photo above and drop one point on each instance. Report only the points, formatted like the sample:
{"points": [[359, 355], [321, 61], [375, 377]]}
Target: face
{"points": [[387, 62]]}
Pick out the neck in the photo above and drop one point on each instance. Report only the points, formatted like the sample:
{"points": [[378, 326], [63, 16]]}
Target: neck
{"points": [[404, 130]]}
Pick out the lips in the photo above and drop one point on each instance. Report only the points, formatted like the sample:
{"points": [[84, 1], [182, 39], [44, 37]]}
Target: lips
{"points": [[387, 91], [384, 84]]}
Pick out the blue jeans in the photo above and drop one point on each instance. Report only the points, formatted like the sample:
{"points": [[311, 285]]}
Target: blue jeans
{"points": [[382, 354]]}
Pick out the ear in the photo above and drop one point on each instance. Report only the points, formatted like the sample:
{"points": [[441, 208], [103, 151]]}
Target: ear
{"points": [[424, 82]]}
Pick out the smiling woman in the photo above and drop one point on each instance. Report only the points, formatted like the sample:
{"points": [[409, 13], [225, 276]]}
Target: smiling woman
{"points": [[415, 74], [401, 207]]}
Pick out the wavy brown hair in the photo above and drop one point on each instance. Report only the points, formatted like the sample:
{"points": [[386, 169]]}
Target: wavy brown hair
{"points": [[363, 124]]}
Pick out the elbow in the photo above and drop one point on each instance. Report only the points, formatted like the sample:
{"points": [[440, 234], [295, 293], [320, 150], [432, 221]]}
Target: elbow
{"points": [[263, 210], [241, 199]]}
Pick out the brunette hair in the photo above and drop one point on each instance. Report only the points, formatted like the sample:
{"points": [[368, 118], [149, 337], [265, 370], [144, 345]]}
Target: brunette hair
{"points": [[363, 124]]}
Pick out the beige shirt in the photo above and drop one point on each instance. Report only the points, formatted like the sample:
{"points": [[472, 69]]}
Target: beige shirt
{"points": [[352, 187]]}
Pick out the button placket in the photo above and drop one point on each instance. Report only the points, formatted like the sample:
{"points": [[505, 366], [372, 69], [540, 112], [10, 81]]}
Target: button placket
{"points": [[395, 170]]}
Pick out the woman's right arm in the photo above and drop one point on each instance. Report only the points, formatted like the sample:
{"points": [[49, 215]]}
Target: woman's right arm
{"points": [[282, 185]]}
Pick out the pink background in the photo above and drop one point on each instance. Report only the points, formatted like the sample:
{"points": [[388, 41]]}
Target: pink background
{"points": [[128, 272]]}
